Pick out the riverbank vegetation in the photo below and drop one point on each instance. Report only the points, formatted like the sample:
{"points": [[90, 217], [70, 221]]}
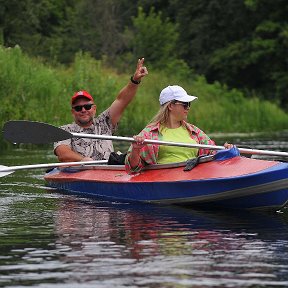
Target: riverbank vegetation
{"points": [[32, 90], [241, 43]]}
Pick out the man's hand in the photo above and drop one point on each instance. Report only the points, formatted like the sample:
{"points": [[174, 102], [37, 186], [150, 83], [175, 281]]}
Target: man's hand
{"points": [[127, 93], [141, 70], [86, 159]]}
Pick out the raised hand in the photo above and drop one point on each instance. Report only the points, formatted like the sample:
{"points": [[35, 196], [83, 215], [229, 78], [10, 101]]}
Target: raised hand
{"points": [[141, 70]]}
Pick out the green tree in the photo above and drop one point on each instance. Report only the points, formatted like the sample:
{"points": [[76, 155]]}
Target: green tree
{"points": [[258, 61], [242, 43], [154, 37], [34, 25]]}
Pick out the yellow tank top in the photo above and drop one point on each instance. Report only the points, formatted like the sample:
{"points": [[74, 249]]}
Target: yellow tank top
{"points": [[170, 154]]}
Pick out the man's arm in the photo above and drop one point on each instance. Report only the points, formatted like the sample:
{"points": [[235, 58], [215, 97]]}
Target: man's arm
{"points": [[65, 154], [127, 93]]}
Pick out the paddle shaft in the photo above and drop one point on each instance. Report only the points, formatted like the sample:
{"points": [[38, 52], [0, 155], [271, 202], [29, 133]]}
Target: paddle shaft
{"points": [[50, 165], [179, 144], [21, 131]]}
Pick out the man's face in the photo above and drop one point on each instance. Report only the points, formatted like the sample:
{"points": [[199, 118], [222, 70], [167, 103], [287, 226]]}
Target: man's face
{"points": [[83, 111]]}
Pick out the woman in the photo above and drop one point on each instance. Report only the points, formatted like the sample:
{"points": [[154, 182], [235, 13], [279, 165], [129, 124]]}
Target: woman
{"points": [[169, 124]]}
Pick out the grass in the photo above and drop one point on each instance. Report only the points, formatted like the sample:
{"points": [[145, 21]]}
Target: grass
{"points": [[32, 90]]}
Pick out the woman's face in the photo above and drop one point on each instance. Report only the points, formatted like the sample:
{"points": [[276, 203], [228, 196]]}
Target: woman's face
{"points": [[180, 110]]}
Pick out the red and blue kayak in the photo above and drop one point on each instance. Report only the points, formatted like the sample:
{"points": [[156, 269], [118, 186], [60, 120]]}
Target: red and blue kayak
{"points": [[236, 183]]}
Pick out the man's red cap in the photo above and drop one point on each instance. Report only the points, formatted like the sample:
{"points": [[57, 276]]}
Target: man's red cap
{"points": [[81, 94]]}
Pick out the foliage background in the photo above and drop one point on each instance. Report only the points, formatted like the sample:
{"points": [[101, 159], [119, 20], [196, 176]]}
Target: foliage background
{"points": [[232, 54], [35, 91]]}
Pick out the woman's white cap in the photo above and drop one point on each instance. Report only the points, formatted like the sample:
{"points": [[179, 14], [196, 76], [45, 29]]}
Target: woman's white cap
{"points": [[175, 92]]}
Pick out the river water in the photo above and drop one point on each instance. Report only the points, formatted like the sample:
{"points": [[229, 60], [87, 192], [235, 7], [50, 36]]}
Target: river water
{"points": [[51, 239]]}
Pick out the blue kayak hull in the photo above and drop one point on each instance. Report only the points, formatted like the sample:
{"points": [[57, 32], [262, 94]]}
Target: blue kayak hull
{"points": [[240, 183]]}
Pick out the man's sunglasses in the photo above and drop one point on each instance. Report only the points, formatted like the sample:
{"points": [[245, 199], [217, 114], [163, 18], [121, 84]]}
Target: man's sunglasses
{"points": [[186, 105], [79, 108]]}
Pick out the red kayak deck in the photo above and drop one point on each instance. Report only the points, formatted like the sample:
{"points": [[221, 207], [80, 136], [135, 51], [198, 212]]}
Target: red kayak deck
{"points": [[237, 166]]}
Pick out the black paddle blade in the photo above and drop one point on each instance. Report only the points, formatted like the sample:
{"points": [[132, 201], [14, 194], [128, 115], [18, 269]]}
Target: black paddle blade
{"points": [[21, 131]]}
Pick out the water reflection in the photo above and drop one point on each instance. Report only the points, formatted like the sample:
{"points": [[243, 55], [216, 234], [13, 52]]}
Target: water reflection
{"points": [[171, 245], [69, 240], [49, 239]]}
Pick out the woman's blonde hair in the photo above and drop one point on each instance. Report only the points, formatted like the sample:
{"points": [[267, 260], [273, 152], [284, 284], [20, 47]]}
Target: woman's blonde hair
{"points": [[162, 115]]}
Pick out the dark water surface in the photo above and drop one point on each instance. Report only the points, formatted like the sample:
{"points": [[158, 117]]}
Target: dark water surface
{"points": [[51, 239]]}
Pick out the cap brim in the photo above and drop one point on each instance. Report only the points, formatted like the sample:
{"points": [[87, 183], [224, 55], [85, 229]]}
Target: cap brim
{"points": [[187, 98]]}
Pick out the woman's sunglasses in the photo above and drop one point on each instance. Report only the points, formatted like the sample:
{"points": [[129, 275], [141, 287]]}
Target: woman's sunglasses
{"points": [[79, 108], [186, 105]]}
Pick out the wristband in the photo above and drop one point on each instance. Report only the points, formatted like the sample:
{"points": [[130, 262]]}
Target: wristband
{"points": [[134, 81]]}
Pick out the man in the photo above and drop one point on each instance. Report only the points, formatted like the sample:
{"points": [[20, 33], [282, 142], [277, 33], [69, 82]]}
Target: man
{"points": [[84, 110]]}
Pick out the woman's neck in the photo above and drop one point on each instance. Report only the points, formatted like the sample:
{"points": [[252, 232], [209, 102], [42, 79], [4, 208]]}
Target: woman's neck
{"points": [[172, 124]]}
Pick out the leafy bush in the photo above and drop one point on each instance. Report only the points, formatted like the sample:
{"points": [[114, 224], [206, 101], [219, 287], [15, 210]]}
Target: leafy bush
{"points": [[34, 91]]}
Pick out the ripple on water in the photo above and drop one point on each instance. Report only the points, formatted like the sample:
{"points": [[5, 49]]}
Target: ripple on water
{"points": [[49, 239]]}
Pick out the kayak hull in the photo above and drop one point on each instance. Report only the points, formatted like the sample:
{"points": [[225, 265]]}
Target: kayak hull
{"points": [[237, 183]]}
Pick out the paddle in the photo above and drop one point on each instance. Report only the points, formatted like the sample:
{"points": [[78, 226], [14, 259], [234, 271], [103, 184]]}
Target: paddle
{"points": [[21, 131], [5, 170]]}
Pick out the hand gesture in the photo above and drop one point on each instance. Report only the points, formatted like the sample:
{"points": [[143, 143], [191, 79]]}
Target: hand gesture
{"points": [[141, 70]]}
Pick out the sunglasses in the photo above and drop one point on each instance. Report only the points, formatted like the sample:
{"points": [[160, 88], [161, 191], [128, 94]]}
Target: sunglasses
{"points": [[79, 108], [186, 105]]}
